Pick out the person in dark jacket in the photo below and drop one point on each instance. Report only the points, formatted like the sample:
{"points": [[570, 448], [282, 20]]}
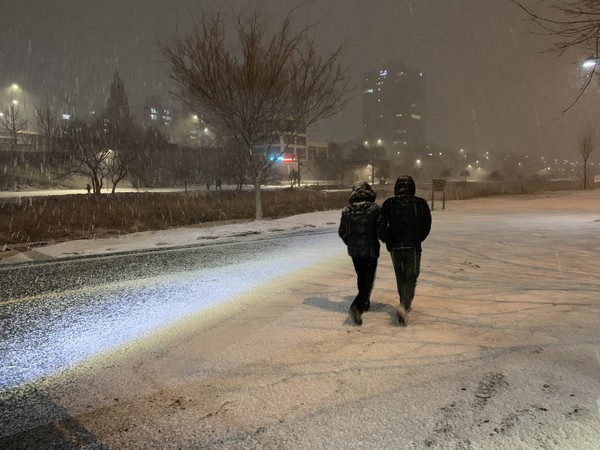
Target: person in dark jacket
{"points": [[358, 230], [405, 222]]}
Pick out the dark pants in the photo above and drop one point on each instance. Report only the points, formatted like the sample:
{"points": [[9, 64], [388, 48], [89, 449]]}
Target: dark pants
{"points": [[365, 270], [407, 265]]}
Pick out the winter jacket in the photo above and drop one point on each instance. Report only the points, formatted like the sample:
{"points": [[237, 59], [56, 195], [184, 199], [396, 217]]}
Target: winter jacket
{"points": [[405, 219], [358, 225]]}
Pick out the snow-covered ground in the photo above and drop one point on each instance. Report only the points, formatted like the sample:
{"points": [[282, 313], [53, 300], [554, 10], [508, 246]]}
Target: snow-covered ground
{"points": [[502, 348]]}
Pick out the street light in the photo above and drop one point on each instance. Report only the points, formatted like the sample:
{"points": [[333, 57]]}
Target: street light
{"points": [[589, 63], [418, 164]]}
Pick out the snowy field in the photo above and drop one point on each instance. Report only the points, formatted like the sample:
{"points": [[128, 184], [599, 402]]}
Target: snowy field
{"points": [[502, 348]]}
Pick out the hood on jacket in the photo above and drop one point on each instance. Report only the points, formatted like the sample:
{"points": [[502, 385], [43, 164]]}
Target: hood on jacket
{"points": [[362, 192], [405, 185]]}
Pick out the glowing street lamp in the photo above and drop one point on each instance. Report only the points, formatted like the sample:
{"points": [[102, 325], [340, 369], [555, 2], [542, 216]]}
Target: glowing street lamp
{"points": [[589, 63]]}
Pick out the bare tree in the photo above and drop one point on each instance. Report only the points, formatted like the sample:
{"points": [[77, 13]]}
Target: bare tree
{"points": [[12, 121], [88, 152], [48, 125], [235, 168], [257, 87], [586, 147], [104, 149], [572, 24], [126, 151]]}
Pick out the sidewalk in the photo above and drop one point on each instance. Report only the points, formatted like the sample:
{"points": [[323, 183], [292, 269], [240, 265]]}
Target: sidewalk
{"points": [[175, 237]]}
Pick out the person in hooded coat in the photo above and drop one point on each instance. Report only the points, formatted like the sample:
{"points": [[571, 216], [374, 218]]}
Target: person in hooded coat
{"points": [[358, 230], [405, 222]]}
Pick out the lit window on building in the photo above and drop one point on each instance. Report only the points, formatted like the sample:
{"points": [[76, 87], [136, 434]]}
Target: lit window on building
{"points": [[415, 116], [383, 73], [66, 116], [153, 117], [369, 91], [153, 111]]}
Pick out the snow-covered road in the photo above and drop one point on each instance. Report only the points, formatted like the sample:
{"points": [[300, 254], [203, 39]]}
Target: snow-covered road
{"points": [[502, 351]]}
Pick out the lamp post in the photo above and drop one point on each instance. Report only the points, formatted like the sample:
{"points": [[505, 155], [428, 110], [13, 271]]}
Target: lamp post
{"points": [[418, 163], [371, 155]]}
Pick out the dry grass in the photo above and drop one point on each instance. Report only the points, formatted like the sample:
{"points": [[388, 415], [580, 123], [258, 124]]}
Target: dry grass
{"points": [[58, 218]]}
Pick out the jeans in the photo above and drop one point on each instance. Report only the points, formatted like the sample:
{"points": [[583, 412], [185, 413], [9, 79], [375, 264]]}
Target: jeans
{"points": [[407, 265], [365, 268]]}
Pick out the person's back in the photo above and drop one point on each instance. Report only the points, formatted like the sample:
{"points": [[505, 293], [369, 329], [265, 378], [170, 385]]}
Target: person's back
{"points": [[406, 218], [358, 225], [405, 222], [358, 230]]}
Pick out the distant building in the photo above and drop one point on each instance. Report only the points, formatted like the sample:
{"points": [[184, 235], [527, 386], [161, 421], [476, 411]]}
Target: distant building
{"points": [[317, 149], [155, 114], [394, 108], [289, 148], [294, 151]]}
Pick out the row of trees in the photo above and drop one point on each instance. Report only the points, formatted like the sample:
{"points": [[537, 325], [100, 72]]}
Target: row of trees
{"points": [[103, 149], [106, 149], [256, 82]]}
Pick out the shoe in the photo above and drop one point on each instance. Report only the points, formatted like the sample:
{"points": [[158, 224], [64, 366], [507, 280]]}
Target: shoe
{"points": [[355, 314], [401, 312]]}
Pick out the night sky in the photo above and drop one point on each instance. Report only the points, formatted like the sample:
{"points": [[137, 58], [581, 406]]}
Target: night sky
{"points": [[490, 85]]}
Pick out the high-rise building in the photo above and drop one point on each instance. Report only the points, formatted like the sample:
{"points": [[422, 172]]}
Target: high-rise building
{"points": [[154, 114], [394, 108]]}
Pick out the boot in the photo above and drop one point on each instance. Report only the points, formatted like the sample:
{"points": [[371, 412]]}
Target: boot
{"points": [[401, 313], [355, 314]]}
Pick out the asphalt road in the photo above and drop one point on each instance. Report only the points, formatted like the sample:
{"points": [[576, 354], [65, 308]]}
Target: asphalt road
{"points": [[55, 313]]}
